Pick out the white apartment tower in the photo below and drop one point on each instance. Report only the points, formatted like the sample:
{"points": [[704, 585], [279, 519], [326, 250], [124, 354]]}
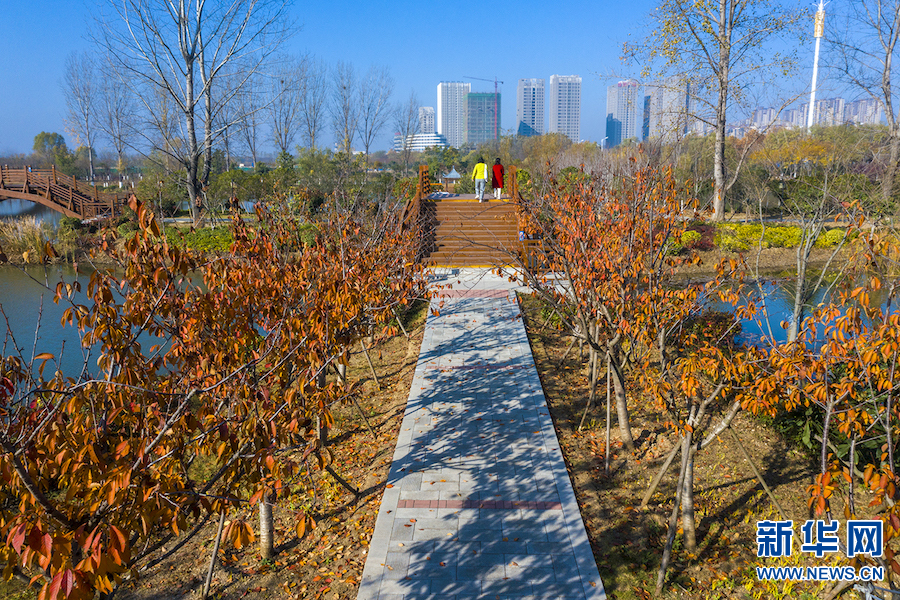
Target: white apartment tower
{"points": [[530, 107], [451, 111], [426, 120], [565, 105], [667, 110], [623, 105]]}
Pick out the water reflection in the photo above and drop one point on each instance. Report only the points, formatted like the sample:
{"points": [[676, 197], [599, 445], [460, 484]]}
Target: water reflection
{"points": [[14, 208]]}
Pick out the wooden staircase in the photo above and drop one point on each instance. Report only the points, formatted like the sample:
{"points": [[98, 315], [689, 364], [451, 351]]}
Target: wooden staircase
{"points": [[468, 233]]}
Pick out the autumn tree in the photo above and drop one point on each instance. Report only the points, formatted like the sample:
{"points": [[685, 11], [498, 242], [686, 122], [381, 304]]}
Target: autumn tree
{"points": [[612, 248], [602, 241], [206, 395], [843, 364], [720, 50]]}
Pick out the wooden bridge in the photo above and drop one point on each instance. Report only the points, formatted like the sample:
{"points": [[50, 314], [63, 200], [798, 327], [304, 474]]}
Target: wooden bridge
{"points": [[456, 230], [60, 192]]}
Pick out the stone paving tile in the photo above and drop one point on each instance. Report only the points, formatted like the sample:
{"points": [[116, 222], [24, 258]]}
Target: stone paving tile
{"points": [[480, 504]]}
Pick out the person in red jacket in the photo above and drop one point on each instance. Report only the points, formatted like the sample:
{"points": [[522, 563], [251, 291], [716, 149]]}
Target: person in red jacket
{"points": [[497, 178]]}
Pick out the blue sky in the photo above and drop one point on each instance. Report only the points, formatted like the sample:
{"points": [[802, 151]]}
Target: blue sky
{"points": [[422, 42]]}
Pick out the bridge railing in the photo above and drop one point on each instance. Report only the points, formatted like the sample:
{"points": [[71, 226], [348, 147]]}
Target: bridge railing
{"points": [[65, 191]]}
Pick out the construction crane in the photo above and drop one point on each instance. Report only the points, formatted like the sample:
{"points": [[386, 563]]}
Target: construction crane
{"points": [[497, 84]]}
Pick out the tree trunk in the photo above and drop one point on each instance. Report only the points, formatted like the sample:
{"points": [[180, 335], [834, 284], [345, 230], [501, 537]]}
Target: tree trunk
{"points": [[192, 167], [890, 172], [266, 528], [621, 400], [673, 516], [659, 475], [688, 522], [215, 555], [721, 109], [799, 295], [592, 376]]}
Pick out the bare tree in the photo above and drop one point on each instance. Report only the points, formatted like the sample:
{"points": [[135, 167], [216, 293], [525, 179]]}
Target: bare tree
{"points": [[285, 105], [228, 119], [81, 88], [313, 101], [117, 115], [864, 55], [720, 48], [250, 104], [406, 121], [344, 106], [183, 47], [375, 91]]}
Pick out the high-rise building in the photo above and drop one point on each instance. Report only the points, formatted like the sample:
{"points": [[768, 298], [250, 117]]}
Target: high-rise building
{"points": [[623, 105], [864, 110], [426, 120], [667, 109], [451, 111], [565, 105], [530, 107], [482, 124]]}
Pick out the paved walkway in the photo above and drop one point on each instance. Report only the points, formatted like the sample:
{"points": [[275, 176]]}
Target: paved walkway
{"points": [[478, 503]]}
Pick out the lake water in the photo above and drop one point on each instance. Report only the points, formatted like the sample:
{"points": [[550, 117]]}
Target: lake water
{"points": [[34, 320], [13, 208]]}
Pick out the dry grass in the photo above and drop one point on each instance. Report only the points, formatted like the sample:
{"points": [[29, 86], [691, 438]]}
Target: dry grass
{"points": [[24, 238]]}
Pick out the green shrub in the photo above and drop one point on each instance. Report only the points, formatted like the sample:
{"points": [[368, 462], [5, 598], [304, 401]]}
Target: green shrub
{"points": [[690, 238], [308, 232], [674, 249], [69, 224], [127, 227], [830, 238], [733, 237], [208, 239], [782, 237]]}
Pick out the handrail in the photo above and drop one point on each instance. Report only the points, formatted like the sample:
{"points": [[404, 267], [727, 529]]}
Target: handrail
{"points": [[61, 192]]}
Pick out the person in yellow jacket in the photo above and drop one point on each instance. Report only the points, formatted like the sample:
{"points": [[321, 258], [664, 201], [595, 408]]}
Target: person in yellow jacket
{"points": [[480, 175]]}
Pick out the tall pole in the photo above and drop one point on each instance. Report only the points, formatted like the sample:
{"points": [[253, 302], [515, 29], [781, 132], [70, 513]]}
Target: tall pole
{"points": [[495, 109], [819, 32]]}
